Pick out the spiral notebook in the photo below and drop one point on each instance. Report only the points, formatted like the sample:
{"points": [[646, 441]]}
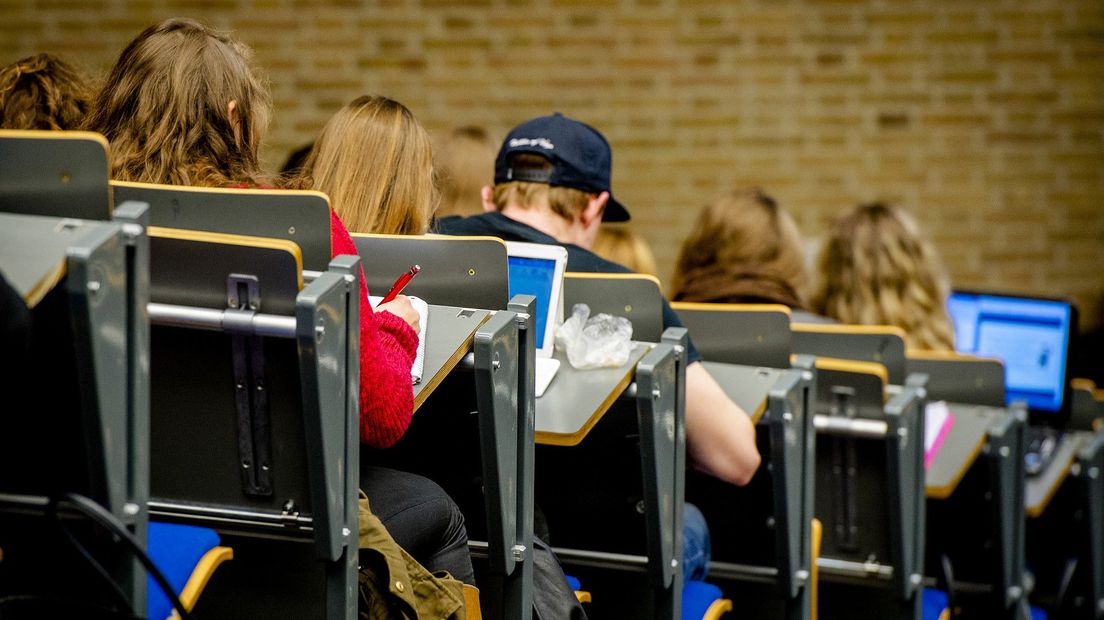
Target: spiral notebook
{"points": [[422, 308]]}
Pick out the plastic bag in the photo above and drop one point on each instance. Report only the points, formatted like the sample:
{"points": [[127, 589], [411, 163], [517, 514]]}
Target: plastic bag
{"points": [[601, 341]]}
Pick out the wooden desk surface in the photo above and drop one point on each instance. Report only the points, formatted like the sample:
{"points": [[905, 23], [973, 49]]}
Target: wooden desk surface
{"points": [[577, 399], [747, 386], [1041, 488], [959, 450], [33, 252], [449, 332]]}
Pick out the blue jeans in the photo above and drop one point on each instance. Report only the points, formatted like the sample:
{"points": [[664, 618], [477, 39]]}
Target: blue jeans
{"points": [[696, 547]]}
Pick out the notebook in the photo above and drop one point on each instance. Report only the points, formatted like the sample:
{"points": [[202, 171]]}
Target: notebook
{"points": [[1031, 335], [538, 270], [422, 308]]}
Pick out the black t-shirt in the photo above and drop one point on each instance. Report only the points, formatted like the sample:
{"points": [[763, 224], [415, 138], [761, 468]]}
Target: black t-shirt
{"points": [[494, 224]]}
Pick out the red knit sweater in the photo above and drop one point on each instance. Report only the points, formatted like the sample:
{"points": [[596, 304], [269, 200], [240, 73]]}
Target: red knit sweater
{"points": [[387, 349]]}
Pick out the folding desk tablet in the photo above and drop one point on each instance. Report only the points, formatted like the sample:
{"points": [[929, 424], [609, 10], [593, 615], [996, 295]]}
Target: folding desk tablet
{"points": [[610, 481], [254, 419], [75, 419], [882, 344], [761, 532], [869, 491], [55, 173], [751, 334], [302, 217], [449, 334], [1065, 529], [463, 278], [975, 485]]}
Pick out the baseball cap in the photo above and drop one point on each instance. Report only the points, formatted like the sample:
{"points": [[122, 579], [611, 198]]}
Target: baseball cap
{"points": [[580, 157]]}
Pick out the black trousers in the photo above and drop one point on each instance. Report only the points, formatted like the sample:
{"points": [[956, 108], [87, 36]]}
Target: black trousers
{"points": [[421, 517]]}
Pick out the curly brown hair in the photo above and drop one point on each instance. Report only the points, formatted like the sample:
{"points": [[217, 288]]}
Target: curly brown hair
{"points": [[165, 108], [42, 92], [876, 268]]}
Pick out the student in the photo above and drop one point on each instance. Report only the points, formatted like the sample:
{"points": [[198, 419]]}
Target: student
{"points": [[42, 92], [619, 244], [184, 106], [375, 162], [743, 249], [552, 185], [465, 163], [877, 269]]}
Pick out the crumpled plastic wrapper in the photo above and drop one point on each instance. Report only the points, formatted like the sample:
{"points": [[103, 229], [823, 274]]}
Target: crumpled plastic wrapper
{"points": [[600, 341]]}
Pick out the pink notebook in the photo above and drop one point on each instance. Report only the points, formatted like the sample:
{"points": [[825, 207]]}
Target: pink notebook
{"points": [[938, 421]]}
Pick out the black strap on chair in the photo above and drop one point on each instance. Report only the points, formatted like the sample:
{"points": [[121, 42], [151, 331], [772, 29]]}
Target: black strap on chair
{"points": [[254, 423]]}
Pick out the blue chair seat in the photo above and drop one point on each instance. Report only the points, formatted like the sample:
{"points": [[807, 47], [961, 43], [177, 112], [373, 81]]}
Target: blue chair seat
{"points": [[177, 550]]}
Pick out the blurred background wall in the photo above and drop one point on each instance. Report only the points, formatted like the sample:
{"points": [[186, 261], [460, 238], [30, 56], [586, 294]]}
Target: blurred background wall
{"points": [[984, 118]]}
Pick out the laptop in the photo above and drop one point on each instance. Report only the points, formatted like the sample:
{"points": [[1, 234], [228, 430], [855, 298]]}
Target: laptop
{"points": [[538, 270], [1032, 336]]}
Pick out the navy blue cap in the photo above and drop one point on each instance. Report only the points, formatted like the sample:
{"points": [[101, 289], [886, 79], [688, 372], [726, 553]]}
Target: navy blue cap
{"points": [[580, 157]]}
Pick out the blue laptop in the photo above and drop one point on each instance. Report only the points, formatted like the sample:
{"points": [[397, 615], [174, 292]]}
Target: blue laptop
{"points": [[1031, 335]]}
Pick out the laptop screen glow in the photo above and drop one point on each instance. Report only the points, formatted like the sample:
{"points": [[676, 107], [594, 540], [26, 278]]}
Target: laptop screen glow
{"points": [[534, 276], [1030, 335]]}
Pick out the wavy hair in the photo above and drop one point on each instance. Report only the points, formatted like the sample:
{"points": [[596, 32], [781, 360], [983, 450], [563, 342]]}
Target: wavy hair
{"points": [[165, 108], [877, 269], [743, 248], [42, 92], [375, 162]]}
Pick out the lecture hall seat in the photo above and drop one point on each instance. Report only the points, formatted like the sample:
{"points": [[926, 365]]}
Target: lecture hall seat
{"points": [[188, 556]]}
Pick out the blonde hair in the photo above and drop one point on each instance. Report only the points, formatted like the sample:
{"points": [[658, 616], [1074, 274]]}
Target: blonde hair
{"points": [[624, 247], [465, 164], [42, 92], [746, 237], [375, 162], [566, 202], [165, 108], [877, 269]]}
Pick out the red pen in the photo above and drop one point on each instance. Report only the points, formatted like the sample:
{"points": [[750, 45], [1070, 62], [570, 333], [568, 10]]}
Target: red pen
{"points": [[400, 284]]}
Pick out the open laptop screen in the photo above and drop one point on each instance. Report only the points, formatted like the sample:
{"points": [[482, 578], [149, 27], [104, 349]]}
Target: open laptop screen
{"points": [[1030, 335], [534, 276]]}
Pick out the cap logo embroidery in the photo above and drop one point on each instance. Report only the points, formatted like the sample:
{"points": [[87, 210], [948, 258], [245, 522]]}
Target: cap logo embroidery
{"points": [[544, 143]]}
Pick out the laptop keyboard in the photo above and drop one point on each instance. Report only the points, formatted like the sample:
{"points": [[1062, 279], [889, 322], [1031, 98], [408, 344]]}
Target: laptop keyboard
{"points": [[1042, 445]]}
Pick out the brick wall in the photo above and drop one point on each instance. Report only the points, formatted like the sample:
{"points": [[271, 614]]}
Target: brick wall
{"points": [[984, 118]]}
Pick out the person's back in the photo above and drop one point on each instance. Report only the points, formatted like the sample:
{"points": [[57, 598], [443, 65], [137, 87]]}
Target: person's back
{"points": [[42, 92], [184, 106], [552, 185], [875, 268]]}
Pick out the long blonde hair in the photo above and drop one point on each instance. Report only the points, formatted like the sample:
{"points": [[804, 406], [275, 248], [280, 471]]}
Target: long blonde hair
{"points": [[165, 108], [743, 248], [42, 92], [877, 269], [375, 161]]}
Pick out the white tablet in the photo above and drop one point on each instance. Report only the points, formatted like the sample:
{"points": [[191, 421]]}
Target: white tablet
{"points": [[538, 270]]}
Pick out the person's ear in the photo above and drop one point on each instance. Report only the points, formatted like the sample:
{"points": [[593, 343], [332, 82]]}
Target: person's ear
{"points": [[594, 209], [488, 199], [235, 122]]}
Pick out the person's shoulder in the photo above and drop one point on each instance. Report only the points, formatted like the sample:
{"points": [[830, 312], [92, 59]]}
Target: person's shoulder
{"points": [[457, 225]]}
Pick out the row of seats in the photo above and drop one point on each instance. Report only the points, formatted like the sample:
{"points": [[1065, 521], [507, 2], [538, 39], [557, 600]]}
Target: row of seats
{"points": [[230, 300]]}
